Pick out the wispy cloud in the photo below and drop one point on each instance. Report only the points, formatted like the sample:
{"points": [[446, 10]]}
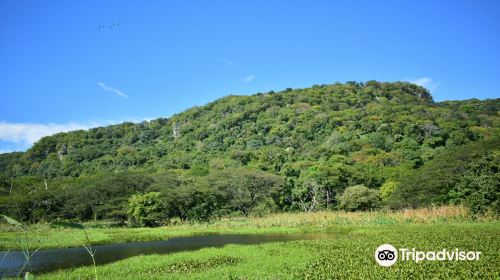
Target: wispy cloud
{"points": [[427, 83], [113, 90], [20, 136], [226, 61], [250, 78]]}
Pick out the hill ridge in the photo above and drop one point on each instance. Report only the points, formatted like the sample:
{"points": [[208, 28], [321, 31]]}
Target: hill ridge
{"points": [[293, 119]]}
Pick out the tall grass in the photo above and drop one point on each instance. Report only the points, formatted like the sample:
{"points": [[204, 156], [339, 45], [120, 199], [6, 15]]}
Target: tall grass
{"points": [[330, 218], [86, 243], [25, 242]]}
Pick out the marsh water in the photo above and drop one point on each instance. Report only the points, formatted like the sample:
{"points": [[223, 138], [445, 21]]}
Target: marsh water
{"points": [[54, 259]]}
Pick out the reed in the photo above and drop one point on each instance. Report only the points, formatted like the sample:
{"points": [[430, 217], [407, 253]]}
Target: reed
{"points": [[330, 218]]}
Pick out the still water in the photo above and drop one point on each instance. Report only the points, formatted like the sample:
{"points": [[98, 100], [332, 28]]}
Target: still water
{"points": [[54, 259]]}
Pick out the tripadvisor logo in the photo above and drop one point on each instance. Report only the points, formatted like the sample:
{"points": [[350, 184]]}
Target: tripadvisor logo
{"points": [[387, 255]]}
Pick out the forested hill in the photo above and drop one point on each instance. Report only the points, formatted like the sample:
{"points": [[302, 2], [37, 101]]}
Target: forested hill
{"points": [[374, 123], [350, 146]]}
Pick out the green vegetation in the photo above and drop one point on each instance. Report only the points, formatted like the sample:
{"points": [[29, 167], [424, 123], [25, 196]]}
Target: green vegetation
{"points": [[145, 209], [296, 150], [355, 235], [58, 235], [359, 198], [348, 256], [282, 162], [467, 174]]}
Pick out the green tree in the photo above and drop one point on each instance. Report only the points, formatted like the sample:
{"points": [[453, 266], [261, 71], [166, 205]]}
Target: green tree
{"points": [[387, 189], [146, 209], [479, 186], [432, 183], [359, 197]]}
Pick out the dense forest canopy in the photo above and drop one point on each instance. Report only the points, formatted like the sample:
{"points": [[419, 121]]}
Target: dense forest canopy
{"points": [[295, 150]]}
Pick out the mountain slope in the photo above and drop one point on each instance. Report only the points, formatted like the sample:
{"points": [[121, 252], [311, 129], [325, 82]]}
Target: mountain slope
{"points": [[296, 150], [382, 123]]}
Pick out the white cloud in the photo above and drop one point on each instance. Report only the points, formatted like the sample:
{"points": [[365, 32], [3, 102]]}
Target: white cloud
{"points": [[427, 83], [226, 61], [113, 90], [31, 132], [20, 136], [250, 78]]}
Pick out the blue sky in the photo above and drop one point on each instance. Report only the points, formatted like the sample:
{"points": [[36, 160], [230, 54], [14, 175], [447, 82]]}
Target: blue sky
{"points": [[61, 70]]}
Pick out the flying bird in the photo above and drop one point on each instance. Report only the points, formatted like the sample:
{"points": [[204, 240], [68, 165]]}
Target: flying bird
{"points": [[113, 25]]}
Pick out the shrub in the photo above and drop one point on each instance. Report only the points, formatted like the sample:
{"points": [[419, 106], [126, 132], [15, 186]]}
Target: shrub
{"points": [[359, 197], [145, 209]]}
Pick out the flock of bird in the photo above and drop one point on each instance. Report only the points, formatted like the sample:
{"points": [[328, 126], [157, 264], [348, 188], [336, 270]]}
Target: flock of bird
{"points": [[110, 26]]}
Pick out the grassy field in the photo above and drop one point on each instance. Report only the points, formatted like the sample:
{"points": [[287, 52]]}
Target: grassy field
{"points": [[44, 236], [348, 256]]}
